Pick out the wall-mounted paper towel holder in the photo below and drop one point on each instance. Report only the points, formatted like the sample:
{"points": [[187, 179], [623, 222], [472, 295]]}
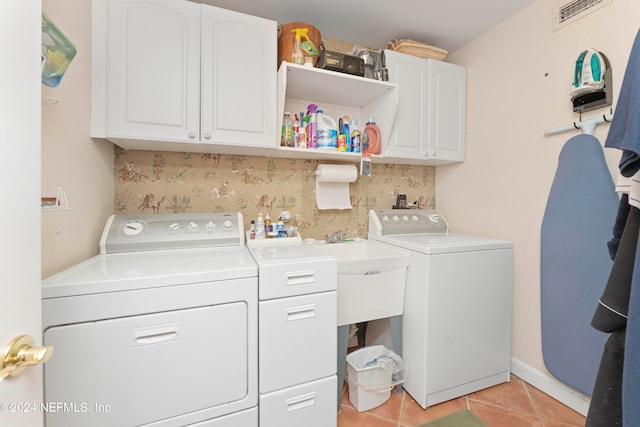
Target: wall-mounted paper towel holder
{"points": [[332, 186]]}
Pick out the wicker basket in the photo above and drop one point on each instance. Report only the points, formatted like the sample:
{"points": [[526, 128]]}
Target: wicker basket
{"points": [[418, 49]]}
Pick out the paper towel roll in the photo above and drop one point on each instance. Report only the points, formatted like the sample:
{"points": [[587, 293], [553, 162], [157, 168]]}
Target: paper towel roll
{"points": [[332, 186]]}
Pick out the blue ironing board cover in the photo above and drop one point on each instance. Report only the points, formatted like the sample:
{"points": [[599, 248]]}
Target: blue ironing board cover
{"points": [[574, 261]]}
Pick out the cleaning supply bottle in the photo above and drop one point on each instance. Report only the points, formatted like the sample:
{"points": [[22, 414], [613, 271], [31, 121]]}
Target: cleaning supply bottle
{"points": [[371, 141], [267, 226], [345, 130], [312, 128], [327, 131], [252, 230], [355, 136], [280, 228], [286, 138], [297, 55], [260, 226]]}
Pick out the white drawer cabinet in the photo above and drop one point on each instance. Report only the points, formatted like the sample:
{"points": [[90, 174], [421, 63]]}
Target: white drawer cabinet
{"points": [[429, 126], [181, 76], [297, 339]]}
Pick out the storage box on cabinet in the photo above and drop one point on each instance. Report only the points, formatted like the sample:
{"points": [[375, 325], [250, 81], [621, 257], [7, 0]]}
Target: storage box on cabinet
{"points": [[176, 75]]}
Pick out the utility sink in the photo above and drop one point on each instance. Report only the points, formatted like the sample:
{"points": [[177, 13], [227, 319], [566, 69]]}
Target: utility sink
{"points": [[371, 280]]}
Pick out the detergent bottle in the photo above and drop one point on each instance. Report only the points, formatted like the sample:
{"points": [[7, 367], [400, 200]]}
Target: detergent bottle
{"points": [[327, 131], [371, 141]]}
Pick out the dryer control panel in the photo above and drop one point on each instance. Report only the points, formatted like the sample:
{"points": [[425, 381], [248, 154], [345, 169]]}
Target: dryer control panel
{"points": [[135, 233], [406, 221]]}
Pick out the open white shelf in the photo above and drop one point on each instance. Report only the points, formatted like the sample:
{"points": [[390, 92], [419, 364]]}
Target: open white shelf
{"points": [[338, 94]]}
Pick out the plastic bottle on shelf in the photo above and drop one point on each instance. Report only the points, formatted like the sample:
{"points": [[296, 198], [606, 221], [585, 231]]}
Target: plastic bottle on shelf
{"points": [[342, 142], [327, 131], [252, 230], [355, 136], [267, 225], [280, 228], [301, 141], [347, 133], [260, 226], [286, 138], [297, 55], [371, 141], [312, 128]]}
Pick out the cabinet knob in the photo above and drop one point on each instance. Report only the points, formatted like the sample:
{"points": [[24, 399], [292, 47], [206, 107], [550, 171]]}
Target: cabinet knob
{"points": [[207, 135], [192, 135]]}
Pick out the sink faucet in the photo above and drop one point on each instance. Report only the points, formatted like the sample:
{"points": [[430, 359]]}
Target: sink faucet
{"points": [[338, 236]]}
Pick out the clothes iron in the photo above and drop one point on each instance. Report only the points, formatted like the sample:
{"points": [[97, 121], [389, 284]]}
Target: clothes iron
{"points": [[590, 88]]}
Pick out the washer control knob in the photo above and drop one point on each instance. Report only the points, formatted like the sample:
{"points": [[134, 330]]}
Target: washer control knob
{"points": [[395, 218], [415, 218], [211, 226], [174, 226], [192, 226], [405, 218], [132, 228], [227, 224], [385, 218]]}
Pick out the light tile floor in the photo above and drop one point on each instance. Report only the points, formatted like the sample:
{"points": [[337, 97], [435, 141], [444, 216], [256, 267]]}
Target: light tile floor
{"points": [[512, 404]]}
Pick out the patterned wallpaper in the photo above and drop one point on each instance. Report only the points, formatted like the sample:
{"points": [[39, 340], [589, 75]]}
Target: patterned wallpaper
{"points": [[172, 182]]}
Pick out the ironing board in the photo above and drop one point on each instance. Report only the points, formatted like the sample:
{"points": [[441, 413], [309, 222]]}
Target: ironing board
{"points": [[574, 261]]}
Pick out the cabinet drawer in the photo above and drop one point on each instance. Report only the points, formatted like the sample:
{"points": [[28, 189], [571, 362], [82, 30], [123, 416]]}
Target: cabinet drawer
{"points": [[311, 405], [297, 340], [297, 277]]}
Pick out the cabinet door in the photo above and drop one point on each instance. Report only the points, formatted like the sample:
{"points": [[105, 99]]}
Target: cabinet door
{"points": [[153, 70], [447, 121], [238, 78], [409, 132]]}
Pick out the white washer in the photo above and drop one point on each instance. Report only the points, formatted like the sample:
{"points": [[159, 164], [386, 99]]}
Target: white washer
{"points": [[458, 305], [159, 329]]}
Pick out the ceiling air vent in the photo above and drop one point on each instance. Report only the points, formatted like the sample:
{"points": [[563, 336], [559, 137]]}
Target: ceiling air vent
{"points": [[568, 11]]}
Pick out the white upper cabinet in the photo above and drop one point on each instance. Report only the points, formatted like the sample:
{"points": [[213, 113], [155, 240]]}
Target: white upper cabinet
{"points": [[429, 126], [239, 83], [171, 72]]}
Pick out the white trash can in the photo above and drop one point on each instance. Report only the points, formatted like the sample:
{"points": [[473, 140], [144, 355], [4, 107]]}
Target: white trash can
{"points": [[371, 374]]}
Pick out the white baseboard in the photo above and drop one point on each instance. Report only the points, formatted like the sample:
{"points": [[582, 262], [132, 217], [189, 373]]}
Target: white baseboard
{"points": [[570, 397]]}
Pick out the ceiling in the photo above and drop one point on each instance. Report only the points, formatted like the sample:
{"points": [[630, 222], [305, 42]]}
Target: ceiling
{"points": [[448, 24]]}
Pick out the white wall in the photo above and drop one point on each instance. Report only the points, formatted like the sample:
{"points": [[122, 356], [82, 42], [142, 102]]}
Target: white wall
{"points": [[70, 159], [519, 77]]}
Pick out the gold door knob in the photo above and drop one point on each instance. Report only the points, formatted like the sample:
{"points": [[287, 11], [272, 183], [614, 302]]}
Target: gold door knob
{"points": [[20, 354]]}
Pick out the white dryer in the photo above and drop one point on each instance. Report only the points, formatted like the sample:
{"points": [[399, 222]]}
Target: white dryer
{"points": [[458, 305], [159, 329]]}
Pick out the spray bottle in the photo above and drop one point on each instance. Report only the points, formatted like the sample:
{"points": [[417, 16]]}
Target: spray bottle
{"points": [[297, 56]]}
